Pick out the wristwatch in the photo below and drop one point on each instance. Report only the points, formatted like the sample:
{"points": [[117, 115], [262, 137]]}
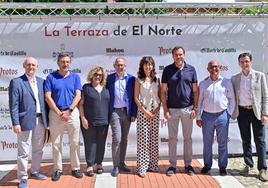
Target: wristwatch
{"points": [[70, 109]]}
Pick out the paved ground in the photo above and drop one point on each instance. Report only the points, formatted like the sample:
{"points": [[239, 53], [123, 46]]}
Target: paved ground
{"points": [[131, 180], [252, 181]]}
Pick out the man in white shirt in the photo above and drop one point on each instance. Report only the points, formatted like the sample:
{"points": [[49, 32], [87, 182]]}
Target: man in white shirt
{"points": [[29, 119], [251, 108], [216, 103]]}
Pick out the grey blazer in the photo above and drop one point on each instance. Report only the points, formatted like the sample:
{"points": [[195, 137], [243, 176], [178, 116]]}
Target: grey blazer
{"points": [[259, 93], [22, 103]]}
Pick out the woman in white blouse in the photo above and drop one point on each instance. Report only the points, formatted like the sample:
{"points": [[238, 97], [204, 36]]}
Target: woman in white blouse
{"points": [[147, 98]]}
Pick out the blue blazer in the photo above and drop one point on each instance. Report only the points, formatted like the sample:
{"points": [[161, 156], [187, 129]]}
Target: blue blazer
{"points": [[22, 103], [131, 105]]}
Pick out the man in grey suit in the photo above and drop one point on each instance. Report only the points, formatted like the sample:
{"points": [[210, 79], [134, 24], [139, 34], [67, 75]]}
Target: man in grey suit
{"points": [[29, 119], [251, 109]]}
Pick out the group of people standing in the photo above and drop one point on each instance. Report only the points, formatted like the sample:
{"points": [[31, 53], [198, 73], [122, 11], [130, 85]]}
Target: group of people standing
{"points": [[119, 99]]}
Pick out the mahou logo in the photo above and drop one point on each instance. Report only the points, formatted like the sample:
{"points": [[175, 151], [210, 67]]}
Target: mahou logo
{"points": [[8, 72]]}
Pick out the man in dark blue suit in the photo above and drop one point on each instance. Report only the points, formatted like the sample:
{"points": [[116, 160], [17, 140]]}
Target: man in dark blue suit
{"points": [[123, 111], [29, 119]]}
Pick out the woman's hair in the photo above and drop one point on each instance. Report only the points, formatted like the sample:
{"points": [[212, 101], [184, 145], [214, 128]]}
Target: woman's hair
{"points": [[144, 61], [94, 71]]}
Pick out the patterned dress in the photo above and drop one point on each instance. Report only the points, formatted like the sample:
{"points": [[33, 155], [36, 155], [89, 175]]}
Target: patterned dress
{"points": [[148, 131]]}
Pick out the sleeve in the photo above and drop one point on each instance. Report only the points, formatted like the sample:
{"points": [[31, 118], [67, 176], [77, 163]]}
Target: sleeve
{"points": [[164, 78], [264, 93], [48, 84], [194, 76], [14, 102], [230, 97], [78, 85], [200, 102]]}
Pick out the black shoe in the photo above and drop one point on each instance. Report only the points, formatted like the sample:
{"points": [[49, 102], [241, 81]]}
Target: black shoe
{"points": [[77, 173], [190, 170], [171, 171], [90, 173], [223, 171], [115, 172], [205, 170], [99, 169], [56, 175], [123, 167]]}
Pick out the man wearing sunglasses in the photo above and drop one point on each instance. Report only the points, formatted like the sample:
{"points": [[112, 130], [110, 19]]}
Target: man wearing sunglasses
{"points": [[123, 111], [216, 104]]}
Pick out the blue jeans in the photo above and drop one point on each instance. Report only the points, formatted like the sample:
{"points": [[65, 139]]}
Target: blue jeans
{"points": [[245, 119], [220, 123]]}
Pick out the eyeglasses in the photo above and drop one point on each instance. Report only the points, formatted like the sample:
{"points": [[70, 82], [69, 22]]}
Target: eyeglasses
{"points": [[214, 66], [98, 75]]}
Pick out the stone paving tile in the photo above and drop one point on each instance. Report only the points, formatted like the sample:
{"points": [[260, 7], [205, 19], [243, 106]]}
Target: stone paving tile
{"points": [[252, 181]]}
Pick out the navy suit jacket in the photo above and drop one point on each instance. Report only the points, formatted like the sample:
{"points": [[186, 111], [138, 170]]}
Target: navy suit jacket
{"points": [[22, 103], [130, 84]]}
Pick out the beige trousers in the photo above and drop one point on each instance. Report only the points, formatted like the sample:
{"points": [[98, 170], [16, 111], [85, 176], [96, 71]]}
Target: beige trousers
{"points": [[57, 128]]}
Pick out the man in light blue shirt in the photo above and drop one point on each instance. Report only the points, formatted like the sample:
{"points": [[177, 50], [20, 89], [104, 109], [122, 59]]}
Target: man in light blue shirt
{"points": [[216, 103], [122, 111]]}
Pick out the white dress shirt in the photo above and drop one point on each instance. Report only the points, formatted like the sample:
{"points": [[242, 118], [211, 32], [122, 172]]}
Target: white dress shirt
{"points": [[33, 84], [216, 96], [245, 97]]}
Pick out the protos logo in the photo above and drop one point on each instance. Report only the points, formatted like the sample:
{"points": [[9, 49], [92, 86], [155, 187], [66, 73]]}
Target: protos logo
{"points": [[8, 145], [164, 51], [8, 72]]}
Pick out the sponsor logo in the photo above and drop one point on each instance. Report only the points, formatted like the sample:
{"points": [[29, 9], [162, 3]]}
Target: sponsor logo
{"points": [[48, 71], [4, 112], [8, 72], [6, 127], [218, 50], [8, 145], [110, 71], [3, 89], [164, 51], [13, 53], [115, 51], [55, 54]]}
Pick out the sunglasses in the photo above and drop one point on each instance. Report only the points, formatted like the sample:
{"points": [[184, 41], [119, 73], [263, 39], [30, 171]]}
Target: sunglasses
{"points": [[98, 75]]}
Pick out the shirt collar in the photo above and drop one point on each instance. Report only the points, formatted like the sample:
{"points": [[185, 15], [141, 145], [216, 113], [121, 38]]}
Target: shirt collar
{"points": [[124, 76], [30, 78], [185, 65], [219, 78]]}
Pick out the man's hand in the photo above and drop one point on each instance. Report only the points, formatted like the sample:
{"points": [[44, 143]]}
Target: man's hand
{"points": [[65, 115], [264, 119], [17, 129], [133, 119], [193, 114], [167, 115], [199, 123]]}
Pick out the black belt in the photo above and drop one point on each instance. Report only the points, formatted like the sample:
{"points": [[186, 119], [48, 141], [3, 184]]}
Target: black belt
{"points": [[63, 109], [38, 114], [121, 109], [249, 107]]}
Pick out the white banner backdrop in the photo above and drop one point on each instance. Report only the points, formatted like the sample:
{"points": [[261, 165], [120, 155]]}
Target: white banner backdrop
{"points": [[93, 41]]}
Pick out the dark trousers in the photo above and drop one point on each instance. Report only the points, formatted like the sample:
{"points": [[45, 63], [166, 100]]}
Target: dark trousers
{"points": [[245, 119], [94, 142]]}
